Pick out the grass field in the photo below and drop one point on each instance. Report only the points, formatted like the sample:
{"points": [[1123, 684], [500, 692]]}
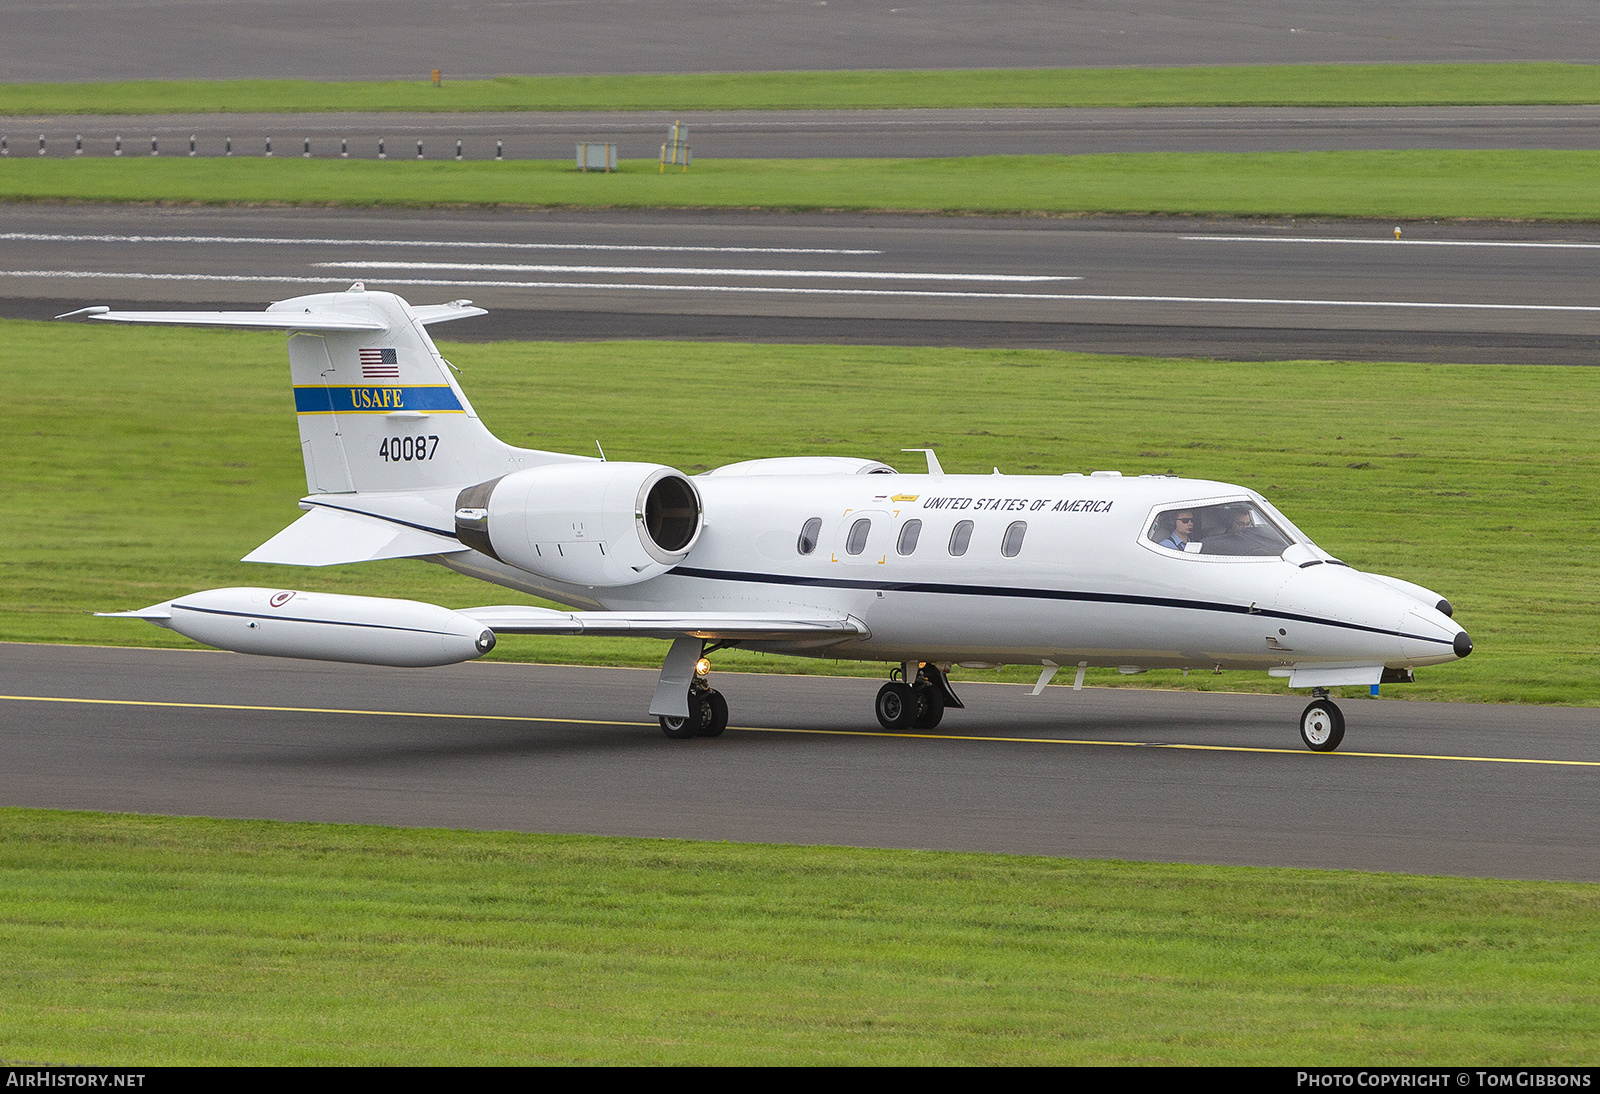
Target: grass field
{"points": [[145, 941], [1255, 85], [1539, 185], [144, 462]]}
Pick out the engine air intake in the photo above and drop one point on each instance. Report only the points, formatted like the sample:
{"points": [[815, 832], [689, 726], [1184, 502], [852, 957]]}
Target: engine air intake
{"points": [[671, 514]]}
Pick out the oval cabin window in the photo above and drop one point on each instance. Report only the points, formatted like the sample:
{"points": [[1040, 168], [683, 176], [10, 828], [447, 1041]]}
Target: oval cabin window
{"points": [[858, 537], [960, 537], [809, 535], [909, 532], [1012, 544]]}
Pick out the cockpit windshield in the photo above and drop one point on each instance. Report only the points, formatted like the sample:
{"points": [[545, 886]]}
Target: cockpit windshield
{"points": [[1239, 528]]}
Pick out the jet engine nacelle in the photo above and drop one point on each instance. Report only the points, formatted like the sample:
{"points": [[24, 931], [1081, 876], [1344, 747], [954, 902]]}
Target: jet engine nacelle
{"points": [[367, 630], [596, 524]]}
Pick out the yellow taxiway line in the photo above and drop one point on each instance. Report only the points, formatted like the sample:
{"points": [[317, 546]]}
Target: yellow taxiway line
{"points": [[317, 710], [814, 732]]}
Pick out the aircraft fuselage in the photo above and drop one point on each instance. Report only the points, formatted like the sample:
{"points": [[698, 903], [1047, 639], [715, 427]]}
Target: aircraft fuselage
{"points": [[1086, 582]]}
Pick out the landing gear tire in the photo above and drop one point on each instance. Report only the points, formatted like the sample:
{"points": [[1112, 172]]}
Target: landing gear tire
{"points": [[896, 706], [1322, 726], [717, 713], [930, 707], [681, 729]]}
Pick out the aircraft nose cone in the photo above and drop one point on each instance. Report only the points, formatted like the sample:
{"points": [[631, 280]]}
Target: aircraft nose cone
{"points": [[1463, 644]]}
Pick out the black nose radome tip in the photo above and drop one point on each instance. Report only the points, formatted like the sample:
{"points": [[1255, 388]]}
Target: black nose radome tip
{"points": [[1444, 608], [1463, 644], [486, 642]]}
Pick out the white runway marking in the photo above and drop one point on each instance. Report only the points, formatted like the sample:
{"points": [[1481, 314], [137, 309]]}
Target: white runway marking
{"points": [[685, 271], [52, 237], [798, 291], [1398, 242]]}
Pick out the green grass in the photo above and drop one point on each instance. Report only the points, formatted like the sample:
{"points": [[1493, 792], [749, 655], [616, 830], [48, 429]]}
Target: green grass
{"points": [[1256, 85], [138, 941], [1539, 185], [1552, 186], [142, 463]]}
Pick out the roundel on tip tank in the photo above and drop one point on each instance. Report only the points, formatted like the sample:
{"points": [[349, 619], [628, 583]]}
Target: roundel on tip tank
{"points": [[591, 524]]}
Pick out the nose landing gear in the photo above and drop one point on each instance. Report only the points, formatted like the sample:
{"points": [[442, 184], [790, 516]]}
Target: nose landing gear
{"points": [[1322, 723]]}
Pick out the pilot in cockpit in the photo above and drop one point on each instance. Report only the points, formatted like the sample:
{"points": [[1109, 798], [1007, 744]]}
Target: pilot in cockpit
{"points": [[1237, 529], [1181, 532], [1243, 536]]}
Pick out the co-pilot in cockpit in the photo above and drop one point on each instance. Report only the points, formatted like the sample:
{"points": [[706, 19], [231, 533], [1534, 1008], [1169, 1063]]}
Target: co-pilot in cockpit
{"points": [[1236, 528]]}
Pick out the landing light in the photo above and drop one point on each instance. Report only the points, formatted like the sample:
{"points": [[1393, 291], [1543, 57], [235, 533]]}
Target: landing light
{"points": [[702, 667]]}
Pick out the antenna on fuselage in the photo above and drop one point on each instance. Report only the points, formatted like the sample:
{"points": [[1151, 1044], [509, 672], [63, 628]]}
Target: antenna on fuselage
{"points": [[602, 451], [933, 461]]}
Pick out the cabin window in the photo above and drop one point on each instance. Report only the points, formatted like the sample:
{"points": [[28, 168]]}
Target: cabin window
{"points": [[858, 537], [1238, 528], [909, 531], [809, 535], [1012, 544], [960, 537]]}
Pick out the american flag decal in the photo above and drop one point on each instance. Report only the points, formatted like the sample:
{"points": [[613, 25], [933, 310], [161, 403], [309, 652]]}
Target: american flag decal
{"points": [[380, 364]]}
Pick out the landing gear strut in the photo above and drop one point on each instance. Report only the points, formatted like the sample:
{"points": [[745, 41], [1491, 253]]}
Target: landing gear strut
{"points": [[1322, 723], [918, 705]]}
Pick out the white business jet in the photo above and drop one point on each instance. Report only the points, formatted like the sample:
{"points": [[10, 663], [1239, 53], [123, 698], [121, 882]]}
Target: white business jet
{"points": [[815, 556]]}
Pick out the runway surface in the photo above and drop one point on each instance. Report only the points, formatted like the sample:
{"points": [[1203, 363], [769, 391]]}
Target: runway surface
{"points": [[787, 134], [1514, 293], [1188, 777], [368, 39]]}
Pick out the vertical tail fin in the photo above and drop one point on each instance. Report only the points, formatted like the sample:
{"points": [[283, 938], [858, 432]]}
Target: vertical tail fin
{"points": [[379, 409], [377, 406]]}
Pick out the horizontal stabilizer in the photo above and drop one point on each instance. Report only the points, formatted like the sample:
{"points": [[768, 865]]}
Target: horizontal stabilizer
{"points": [[329, 537], [270, 320], [443, 313], [515, 619]]}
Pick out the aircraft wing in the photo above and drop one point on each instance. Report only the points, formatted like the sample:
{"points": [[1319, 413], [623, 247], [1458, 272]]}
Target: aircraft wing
{"points": [[332, 537], [517, 619]]}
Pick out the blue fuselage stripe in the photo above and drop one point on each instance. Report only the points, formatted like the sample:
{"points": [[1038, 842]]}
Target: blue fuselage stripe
{"points": [[374, 399], [1039, 594]]}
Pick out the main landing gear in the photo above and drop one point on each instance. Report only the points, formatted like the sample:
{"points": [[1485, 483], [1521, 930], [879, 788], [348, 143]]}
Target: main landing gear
{"points": [[1322, 723], [687, 705], [707, 717], [918, 705]]}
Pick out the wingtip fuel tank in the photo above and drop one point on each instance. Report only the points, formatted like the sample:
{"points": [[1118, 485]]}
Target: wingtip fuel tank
{"points": [[368, 630]]}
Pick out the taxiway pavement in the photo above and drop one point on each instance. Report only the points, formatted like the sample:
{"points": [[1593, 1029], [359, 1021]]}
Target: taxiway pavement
{"points": [[405, 39], [790, 134], [1438, 788], [1197, 287]]}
